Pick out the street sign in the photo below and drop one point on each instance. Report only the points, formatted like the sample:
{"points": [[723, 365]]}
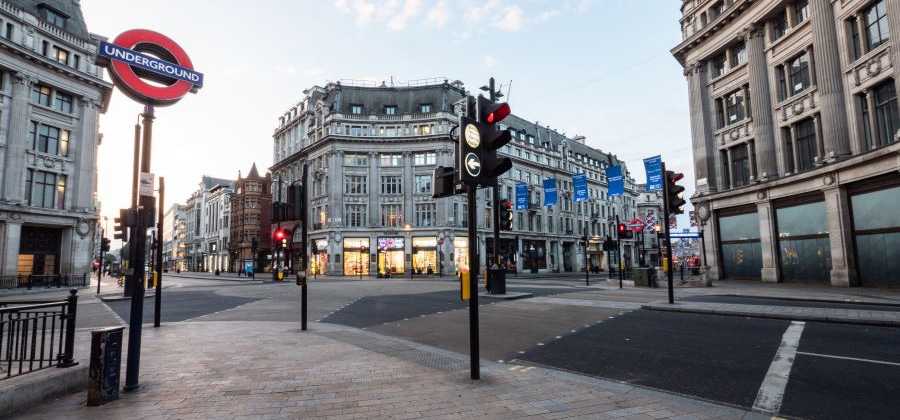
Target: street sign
{"points": [[473, 165], [685, 235], [615, 181], [146, 184], [636, 225], [653, 167], [521, 196], [549, 192], [166, 64]]}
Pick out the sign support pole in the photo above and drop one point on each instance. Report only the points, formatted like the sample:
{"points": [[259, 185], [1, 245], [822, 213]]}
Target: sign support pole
{"points": [[304, 264], [474, 358], [144, 213]]}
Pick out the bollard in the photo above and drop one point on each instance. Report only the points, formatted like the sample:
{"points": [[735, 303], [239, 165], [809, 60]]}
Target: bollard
{"points": [[106, 365], [67, 358]]}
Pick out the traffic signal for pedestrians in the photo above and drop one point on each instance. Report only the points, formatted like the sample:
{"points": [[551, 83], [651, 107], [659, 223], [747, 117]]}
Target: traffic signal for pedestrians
{"points": [[506, 215], [479, 141], [673, 192]]}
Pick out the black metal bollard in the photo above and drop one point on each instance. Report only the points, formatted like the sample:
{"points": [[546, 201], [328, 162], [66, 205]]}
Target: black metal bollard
{"points": [[106, 365], [68, 355]]}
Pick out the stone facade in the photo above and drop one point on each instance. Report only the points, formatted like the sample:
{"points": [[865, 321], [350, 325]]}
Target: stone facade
{"points": [[51, 95], [251, 208], [371, 151], [794, 119], [174, 234], [205, 227]]}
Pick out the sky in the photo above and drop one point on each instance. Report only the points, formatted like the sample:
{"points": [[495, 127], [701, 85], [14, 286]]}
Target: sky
{"points": [[598, 68]]}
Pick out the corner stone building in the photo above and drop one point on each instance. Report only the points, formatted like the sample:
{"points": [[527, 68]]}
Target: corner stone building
{"points": [[50, 96], [794, 119], [371, 151]]}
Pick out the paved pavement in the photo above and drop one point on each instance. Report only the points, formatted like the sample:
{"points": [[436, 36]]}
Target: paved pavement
{"points": [[268, 370]]}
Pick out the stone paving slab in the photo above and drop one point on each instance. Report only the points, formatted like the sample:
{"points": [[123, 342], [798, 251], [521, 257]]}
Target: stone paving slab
{"points": [[200, 370], [841, 315]]}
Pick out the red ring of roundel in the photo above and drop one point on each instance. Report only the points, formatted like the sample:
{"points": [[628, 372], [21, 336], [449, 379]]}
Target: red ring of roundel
{"points": [[129, 80]]}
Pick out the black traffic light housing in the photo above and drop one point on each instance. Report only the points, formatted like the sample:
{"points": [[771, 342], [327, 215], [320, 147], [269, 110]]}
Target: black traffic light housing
{"points": [[479, 140], [127, 218], [506, 215], [104, 244], [674, 202], [624, 232]]}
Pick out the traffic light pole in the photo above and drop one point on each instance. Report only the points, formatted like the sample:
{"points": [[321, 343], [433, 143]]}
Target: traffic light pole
{"points": [[304, 263], [619, 252], [135, 184], [474, 364], [100, 271], [157, 304], [669, 272], [587, 272], [139, 238], [277, 244]]}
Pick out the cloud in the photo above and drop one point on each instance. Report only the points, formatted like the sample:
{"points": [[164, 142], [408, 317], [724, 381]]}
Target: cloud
{"points": [[546, 15], [438, 15], [512, 19], [409, 10], [489, 61], [475, 14]]}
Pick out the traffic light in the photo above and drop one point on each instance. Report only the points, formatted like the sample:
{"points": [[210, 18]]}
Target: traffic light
{"points": [[673, 191], [278, 236], [104, 244], [479, 141], [624, 231], [121, 224], [294, 206], [506, 215]]}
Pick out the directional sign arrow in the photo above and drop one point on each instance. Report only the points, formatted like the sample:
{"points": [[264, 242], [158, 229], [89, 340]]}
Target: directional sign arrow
{"points": [[473, 164]]}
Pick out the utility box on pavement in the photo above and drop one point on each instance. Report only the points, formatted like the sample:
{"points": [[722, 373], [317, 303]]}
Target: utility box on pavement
{"points": [[496, 283], [644, 277], [106, 361]]}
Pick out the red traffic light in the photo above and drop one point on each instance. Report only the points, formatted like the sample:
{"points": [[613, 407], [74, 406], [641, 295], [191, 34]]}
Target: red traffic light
{"points": [[279, 234], [622, 228], [676, 176], [497, 113]]}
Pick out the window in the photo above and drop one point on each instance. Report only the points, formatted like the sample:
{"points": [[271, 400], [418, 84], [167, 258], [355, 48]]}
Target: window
{"points": [[391, 159], [877, 29], [806, 144], [423, 184], [392, 215], [781, 82], [63, 102], [355, 215], [740, 165], [717, 65], [355, 184], [61, 55], [855, 41], [799, 73], [356, 159], [887, 116], [424, 108], [392, 184], [45, 189], [779, 25], [40, 95], [356, 109], [54, 18], [77, 62], [734, 107], [738, 54], [801, 11], [425, 214], [49, 139], [390, 110], [9, 31], [428, 158], [424, 130], [866, 126], [716, 10]]}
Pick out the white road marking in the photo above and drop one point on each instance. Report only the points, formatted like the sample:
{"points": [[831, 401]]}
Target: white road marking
{"points": [[771, 392], [855, 359]]}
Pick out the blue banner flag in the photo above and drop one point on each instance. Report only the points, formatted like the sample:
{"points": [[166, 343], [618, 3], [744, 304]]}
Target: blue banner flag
{"points": [[579, 182], [550, 192], [653, 167], [521, 196], [615, 181]]}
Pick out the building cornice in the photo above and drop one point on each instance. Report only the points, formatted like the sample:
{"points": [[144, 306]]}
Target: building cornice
{"points": [[731, 13]]}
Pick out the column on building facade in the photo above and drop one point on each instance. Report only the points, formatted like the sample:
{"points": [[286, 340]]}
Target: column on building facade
{"points": [[727, 169], [409, 187], [335, 187], [85, 148], [829, 81], [10, 237], [870, 102], [701, 127], [768, 242], [893, 13], [754, 171], [13, 182], [374, 213], [761, 105], [840, 234]]}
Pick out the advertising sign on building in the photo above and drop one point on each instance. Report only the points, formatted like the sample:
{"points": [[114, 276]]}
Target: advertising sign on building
{"points": [[550, 192], [615, 181], [521, 196], [579, 182], [653, 167]]}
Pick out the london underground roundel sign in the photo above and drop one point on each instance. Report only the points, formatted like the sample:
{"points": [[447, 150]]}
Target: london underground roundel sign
{"points": [[149, 67]]}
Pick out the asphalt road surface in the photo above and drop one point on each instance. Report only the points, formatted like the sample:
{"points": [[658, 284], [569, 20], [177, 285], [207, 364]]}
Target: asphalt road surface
{"points": [[181, 305], [754, 300]]}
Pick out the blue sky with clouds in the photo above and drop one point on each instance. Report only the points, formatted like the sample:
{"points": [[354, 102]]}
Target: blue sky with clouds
{"points": [[598, 68]]}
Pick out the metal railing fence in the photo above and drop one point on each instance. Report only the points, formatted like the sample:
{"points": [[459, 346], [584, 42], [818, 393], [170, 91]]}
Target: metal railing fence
{"points": [[37, 334]]}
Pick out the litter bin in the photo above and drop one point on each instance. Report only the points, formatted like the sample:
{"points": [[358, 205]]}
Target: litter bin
{"points": [[106, 361], [496, 281]]}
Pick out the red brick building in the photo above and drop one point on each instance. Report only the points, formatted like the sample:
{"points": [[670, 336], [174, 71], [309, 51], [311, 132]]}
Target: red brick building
{"points": [[251, 217]]}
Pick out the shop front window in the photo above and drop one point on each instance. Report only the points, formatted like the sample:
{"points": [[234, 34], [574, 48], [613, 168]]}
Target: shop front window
{"points": [[740, 246], [804, 250], [356, 256], [391, 256], [877, 232], [424, 255], [461, 254]]}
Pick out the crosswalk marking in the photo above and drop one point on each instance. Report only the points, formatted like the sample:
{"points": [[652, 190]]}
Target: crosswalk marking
{"points": [[771, 392]]}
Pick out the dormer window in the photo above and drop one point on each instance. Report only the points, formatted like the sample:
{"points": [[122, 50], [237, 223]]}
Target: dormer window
{"points": [[356, 109], [424, 108], [390, 110], [55, 18]]}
